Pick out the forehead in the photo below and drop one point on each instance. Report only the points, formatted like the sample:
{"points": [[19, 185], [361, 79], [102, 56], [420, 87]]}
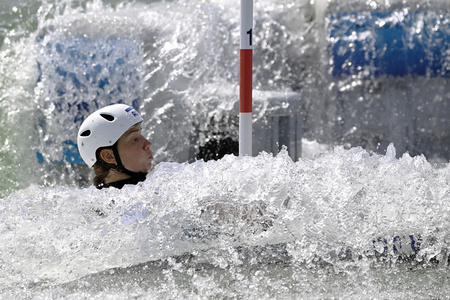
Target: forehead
{"points": [[133, 129]]}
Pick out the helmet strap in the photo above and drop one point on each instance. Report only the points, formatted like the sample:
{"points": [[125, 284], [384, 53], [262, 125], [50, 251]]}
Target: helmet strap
{"points": [[120, 167]]}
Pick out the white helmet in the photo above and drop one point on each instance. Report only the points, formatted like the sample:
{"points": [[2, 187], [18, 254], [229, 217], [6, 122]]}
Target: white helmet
{"points": [[103, 128]]}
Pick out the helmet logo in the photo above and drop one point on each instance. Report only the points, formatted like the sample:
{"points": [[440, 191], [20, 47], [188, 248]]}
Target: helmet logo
{"points": [[130, 109]]}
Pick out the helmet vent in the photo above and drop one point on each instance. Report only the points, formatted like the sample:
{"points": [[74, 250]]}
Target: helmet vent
{"points": [[107, 117], [86, 133]]}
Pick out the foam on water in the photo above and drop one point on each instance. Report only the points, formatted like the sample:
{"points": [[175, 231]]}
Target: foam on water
{"points": [[333, 209]]}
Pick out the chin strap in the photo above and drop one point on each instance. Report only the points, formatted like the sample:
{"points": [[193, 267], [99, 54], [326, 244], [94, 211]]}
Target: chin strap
{"points": [[119, 167]]}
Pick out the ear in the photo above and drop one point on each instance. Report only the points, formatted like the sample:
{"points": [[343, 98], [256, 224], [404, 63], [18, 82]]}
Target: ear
{"points": [[108, 156]]}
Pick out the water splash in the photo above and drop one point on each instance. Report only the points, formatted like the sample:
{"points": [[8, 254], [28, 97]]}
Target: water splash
{"points": [[342, 209]]}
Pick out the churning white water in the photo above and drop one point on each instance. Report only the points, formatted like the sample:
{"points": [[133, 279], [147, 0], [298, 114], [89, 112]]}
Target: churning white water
{"points": [[237, 226], [338, 222]]}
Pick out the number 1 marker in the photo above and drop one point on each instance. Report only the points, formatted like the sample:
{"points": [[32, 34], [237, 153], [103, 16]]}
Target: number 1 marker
{"points": [[245, 81]]}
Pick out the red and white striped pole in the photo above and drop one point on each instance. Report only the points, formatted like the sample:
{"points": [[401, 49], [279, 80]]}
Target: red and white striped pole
{"points": [[245, 81]]}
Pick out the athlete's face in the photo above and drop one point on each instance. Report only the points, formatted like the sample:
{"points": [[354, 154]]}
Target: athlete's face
{"points": [[134, 150]]}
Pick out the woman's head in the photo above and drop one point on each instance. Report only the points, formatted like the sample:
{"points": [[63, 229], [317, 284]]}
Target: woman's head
{"points": [[134, 151], [110, 139]]}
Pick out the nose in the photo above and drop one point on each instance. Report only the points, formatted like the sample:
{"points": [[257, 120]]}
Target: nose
{"points": [[147, 144]]}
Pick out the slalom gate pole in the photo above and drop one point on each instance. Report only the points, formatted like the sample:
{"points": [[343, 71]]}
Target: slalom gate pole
{"points": [[245, 80]]}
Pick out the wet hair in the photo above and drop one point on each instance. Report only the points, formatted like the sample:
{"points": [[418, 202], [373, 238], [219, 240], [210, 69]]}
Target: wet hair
{"points": [[101, 171]]}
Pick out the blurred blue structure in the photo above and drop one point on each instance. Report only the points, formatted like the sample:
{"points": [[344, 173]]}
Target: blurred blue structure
{"points": [[394, 43], [85, 74]]}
